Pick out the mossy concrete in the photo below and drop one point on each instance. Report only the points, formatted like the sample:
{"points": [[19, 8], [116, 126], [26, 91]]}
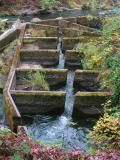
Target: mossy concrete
{"points": [[13, 117], [90, 103], [39, 102], [54, 77], [73, 59], [93, 21], [86, 80], [41, 57], [69, 43], [40, 43], [8, 36], [70, 32], [82, 20], [36, 30]]}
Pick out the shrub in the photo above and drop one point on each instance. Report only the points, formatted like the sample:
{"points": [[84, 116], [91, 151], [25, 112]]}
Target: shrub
{"points": [[2, 25], [21, 147], [106, 132], [92, 59], [46, 4], [114, 77]]}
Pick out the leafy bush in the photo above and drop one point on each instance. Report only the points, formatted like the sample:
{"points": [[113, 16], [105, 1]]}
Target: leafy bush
{"points": [[114, 77], [2, 25], [46, 4], [103, 56], [106, 133], [21, 147], [92, 59]]}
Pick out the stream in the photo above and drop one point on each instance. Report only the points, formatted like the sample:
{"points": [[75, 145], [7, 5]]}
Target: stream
{"points": [[66, 13]]}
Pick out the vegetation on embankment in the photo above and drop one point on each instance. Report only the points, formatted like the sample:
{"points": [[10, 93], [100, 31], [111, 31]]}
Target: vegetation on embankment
{"points": [[21, 147], [103, 54], [31, 7]]}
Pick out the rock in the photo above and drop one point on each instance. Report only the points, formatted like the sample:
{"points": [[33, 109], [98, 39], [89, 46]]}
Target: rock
{"points": [[35, 20], [64, 9], [59, 18], [25, 11]]}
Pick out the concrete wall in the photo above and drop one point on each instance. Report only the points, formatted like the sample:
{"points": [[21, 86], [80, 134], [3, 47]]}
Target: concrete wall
{"points": [[89, 103]]}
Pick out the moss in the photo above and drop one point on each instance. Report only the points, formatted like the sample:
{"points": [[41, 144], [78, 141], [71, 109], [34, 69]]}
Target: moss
{"points": [[43, 70], [36, 32], [93, 94], [86, 71], [52, 32], [39, 93], [4, 13], [69, 32], [40, 53]]}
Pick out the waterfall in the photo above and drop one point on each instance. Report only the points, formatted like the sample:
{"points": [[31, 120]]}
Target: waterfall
{"points": [[69, 86]]}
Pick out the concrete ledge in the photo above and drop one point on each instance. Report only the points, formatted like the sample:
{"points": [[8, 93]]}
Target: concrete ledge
{"points": [[70, 32], [41, 57], [54, 77], [90, 103], [80, 30], [40, 43], [82, 20], [95, 22], [73, 59], [86, 80], [39, 30], [39, 102], [13, 117], [69, 43]]}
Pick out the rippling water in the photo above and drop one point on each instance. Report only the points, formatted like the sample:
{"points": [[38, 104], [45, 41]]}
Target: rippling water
{"points": [[67, 134]]}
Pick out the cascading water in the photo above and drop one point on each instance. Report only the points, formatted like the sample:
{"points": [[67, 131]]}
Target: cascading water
{"points": [[61, 56], [62, 129]]}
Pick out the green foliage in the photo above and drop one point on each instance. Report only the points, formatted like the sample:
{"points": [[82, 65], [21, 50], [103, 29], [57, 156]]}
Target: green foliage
{"points": [[46, 4], [93, 4], [37, 80], [92, 59], [102, 55], [110, 26], [2, 25], [106, 132], [26, 147], [16, 147], [90, 17], [4, 132], [114, 77], [17, 157]]}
